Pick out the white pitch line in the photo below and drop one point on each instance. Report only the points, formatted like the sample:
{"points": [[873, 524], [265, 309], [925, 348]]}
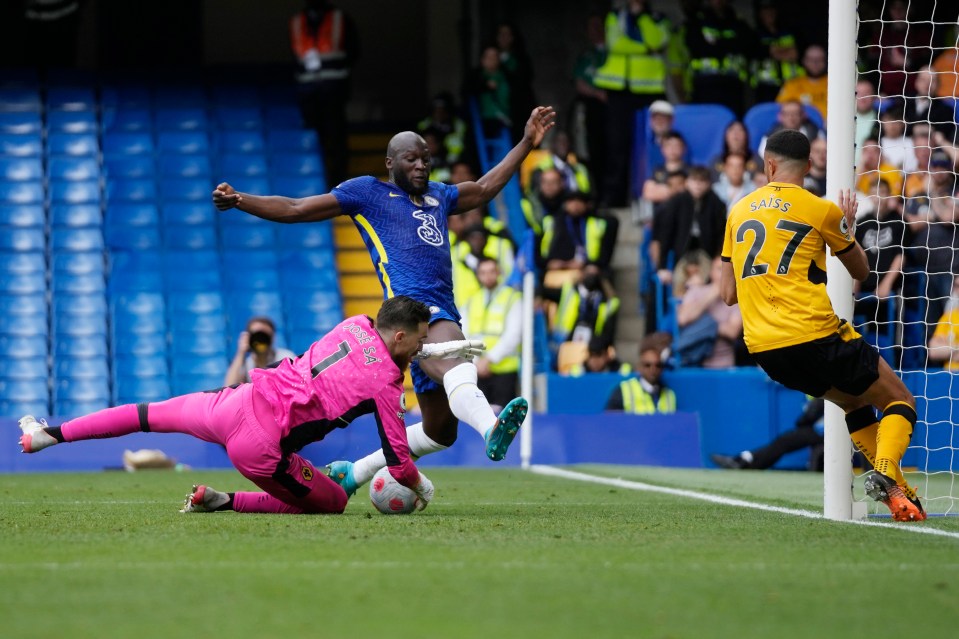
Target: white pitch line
{"points": [[726, 501]]}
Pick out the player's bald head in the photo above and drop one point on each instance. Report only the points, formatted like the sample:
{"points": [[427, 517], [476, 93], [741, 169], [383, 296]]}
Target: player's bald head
{"points": [[404, 141]]}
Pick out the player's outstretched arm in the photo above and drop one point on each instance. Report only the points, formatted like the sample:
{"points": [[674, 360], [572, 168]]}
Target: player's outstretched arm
{"points": [[853, 259], [277, 208], [480, 192]]}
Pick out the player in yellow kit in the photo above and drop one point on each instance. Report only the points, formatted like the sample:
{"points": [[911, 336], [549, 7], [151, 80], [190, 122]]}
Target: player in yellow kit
{"points": [[774, 266]]}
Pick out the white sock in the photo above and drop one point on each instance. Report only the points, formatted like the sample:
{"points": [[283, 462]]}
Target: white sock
{"points": [[420, 444], [467, 401]]}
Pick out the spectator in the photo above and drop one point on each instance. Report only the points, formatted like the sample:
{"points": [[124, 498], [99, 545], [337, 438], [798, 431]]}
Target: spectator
{"points": [[561, 158], [867, 115], [633, 76], [577, 237], [926, 107], [516, 64], [882, 235], [871, 169], [585, 309], [808, 433], [544, 201], [793, 116], [494, 314], [488, 83], [900, 47], [587, 114], [719, 45], [478, 242], [600, 358], [462, 171], [255, 349], [944, 343], [647, 394], [661, 118], [326, 44], [946, 69], [736, 140], [694, 219], [897, 148], [809, 88], [734, 182], [450, 128], [776, 57], [655, 188], [917, 182], [708, 329], [815, 180], [439, 164]]}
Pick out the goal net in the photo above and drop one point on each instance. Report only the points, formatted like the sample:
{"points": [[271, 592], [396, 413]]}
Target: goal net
{"points": [[906, 162]]}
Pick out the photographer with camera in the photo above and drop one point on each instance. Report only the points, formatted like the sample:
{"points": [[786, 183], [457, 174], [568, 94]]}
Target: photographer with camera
{"points": [[254, 349]]}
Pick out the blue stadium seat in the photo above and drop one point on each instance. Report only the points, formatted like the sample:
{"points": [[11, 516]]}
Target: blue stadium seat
{"points": [[299, 186], [76, 215], [138, 305], [283, 117], [21, 122], [240, 142], [193, 365], [21, 325], [190, 189], [132, 390], [20, 347], [131, 190], [21, 192], [20, 169], [127, 143], [761, 118], [75, 191], [139, 344], [243, 165], [189, 323], [130, 324], [72, 121], [21, 263], [228, 93], [135, 261], [70, 99], [703, 126], [188, 213], [178, 96], [305, 236], [66, 306], [128, 166], [24, 390], [122, 281], [76, 144], [181, 119], [300, 320], [20, 99], [132, 214], [27, 305], [189, 237], [251, 280], [192, 261], [30, 368], [68, 408], [69, 239], [15, 409], [186, 166], [81, 326], [307, 262], [80, 346], [126, 96], [182, 142], [296, 164], [191, 302], [182, 279], [22, 215], [21, 146], [300, 340], [73, 168], [244, 304], [22, 239], [81, 389], [77, 263], [318, 279], [82, 368], [143, 366], [248, 237], [23, 283], [236, 118], [77, 283], [293, 140], [249, 260], [234, 217], [196, 383], [130, 120], [209, 343]]}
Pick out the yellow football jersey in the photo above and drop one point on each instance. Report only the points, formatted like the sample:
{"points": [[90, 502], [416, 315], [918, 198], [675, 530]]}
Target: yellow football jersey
{"points": [[776, 240]]}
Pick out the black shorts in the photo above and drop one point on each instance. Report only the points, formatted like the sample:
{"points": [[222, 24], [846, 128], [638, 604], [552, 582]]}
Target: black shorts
{"points": [[829, 362]]}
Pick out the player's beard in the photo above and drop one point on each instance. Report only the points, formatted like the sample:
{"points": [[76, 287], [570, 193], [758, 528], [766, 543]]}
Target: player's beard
{"points": [[400, 180]]}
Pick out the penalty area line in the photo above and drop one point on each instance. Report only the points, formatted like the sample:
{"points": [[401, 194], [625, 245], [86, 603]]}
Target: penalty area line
{"points": [[629, 484]]}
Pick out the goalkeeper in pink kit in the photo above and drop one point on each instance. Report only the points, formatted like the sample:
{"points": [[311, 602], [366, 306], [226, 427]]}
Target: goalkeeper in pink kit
{"points": [[357, 368]]}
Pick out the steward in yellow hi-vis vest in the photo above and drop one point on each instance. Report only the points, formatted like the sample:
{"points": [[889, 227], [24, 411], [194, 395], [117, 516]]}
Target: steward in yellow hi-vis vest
{"points": [[646, 394], [774, 266]]}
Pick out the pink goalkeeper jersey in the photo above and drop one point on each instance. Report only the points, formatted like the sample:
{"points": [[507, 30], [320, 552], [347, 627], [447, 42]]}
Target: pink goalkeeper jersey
{"points": [[347, 373]]}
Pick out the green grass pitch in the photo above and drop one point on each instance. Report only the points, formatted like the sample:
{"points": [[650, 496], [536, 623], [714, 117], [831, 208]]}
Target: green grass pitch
{"points": [[501, 553]]}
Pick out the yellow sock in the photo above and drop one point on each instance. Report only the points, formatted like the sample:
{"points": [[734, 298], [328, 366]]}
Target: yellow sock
{"points": [[892, 439], [864, 432]]}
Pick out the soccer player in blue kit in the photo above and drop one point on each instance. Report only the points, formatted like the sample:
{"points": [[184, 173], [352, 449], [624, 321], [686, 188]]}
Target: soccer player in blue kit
{"points": [[403, 223]]}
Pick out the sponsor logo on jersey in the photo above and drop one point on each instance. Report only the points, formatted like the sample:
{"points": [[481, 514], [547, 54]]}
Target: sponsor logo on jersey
{"points": [[434, 310], [429, 200]]}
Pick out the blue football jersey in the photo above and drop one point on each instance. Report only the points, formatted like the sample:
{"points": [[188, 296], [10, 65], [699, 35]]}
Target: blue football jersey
{"points": [[407, 237]]}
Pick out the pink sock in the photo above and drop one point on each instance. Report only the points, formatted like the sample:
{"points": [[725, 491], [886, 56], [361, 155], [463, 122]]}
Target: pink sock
{"points": [[262, 503], [111, 422]]}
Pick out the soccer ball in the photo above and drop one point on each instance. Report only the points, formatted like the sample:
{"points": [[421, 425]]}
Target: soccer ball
{"points": [[389, 496]]}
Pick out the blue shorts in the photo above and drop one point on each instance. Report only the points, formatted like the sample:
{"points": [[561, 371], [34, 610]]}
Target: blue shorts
{"points": [[421, 381]]}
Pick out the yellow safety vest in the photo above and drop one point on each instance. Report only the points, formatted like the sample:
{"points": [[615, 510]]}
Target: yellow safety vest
{"points": [[496, 248], [532, 216], [489, 322], [770, 71], [580, 174], [732, 64], [638, 402], [636, 65], [464, 282], [578, 370], [567, 312], [595, 230]]}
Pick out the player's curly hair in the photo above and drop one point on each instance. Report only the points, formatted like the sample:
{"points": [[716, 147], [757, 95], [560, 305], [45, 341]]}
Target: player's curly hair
{"points": [[790, 144], [402, 313]]}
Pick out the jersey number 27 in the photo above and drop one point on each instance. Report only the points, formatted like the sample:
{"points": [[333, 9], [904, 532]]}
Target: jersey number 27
{"points": [[750, 267]]}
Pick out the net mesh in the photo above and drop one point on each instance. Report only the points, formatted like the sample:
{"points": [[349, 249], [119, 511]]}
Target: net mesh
{"points": [[906, 179]]}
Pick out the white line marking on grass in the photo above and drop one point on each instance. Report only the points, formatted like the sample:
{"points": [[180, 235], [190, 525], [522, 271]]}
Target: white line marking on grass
{"points": [[726, 501]]}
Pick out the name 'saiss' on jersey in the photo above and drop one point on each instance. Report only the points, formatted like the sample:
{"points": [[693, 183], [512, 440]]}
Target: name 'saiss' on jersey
{"points": [[770, 203]]}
